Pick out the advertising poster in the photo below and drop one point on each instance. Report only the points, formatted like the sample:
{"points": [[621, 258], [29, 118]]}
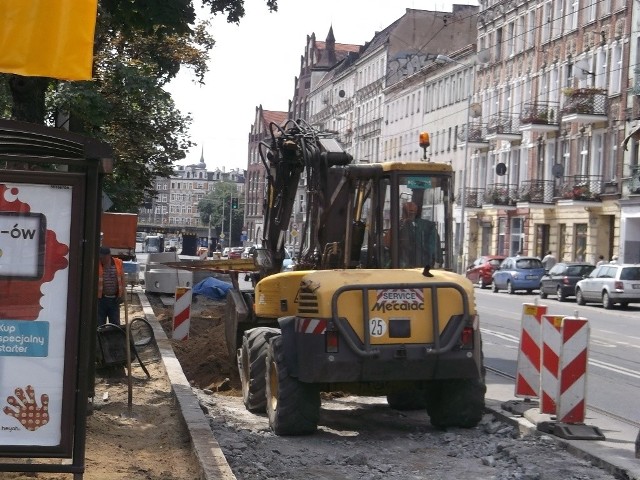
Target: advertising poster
{"points": [[35, 226]]}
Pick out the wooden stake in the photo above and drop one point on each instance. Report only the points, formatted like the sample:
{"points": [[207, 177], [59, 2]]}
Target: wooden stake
{"points": [[126, 327]]}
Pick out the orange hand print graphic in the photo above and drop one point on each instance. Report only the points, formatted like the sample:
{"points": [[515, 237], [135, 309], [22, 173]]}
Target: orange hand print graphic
{"points": [[25, 409]]}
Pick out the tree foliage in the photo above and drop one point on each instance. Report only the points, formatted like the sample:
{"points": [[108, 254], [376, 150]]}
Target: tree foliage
{"points": [[216, 205], [140, 46]]}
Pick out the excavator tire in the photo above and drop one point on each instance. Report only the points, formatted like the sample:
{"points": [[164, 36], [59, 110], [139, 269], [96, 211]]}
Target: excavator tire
{"points": [[252, 367], [456, 403], [409, 399], [293, 407]]}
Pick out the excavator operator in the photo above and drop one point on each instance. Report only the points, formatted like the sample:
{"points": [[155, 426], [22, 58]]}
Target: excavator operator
{"points": [[419, 240]]}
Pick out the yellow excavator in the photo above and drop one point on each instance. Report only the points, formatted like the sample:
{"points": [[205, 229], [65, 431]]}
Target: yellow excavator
{"points": [[372, 306]]}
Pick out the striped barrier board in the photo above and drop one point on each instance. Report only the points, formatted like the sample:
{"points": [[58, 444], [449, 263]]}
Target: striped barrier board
{"points": [[549, 369], [182, 313], [528, 369], [574, 356]]}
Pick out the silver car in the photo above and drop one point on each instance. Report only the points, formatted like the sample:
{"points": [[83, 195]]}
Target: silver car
{"points": [[610, 284]]}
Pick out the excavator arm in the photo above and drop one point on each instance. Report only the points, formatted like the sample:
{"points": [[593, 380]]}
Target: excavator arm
{"points": [[294, 149]]}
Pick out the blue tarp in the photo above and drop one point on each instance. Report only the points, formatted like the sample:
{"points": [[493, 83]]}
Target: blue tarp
{"points": [[212, 288]]}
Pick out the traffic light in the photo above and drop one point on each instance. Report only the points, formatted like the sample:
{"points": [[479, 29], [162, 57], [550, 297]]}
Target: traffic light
{"points": [[234, 203]]}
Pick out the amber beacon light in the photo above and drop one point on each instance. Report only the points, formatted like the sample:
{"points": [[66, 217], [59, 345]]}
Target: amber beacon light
{"points": [[424, 143]]}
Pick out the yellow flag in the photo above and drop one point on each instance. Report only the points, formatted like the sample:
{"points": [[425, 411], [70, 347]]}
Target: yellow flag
{"points": [[47, 38]]}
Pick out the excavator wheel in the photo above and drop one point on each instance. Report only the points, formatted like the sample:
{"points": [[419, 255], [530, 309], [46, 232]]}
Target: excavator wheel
{"points": [[252, 367], [293, 407], [409, 399], [456, 403]]}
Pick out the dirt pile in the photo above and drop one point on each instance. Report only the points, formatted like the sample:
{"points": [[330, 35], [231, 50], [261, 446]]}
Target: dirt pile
{"points": [[203, 356]]}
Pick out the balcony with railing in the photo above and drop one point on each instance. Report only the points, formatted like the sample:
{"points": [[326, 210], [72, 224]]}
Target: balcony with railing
{"points": [[582, 188], [473, 197], [540, 116], [501, 194], [477, 135], [504, 127], [584, 105], [536, 191]]}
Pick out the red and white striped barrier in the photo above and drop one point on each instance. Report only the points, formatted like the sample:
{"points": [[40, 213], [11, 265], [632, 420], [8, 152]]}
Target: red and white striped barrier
{"points": [[182, 313], [528, 369], [549, 370], [574, 357]]}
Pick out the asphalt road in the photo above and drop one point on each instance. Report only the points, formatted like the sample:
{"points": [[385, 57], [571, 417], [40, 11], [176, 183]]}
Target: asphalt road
{"points": [[613, 375]]}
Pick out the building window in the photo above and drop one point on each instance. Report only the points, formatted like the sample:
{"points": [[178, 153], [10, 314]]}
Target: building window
{"points": [[531, 22], [511, 39], [562, 242], [502, 235], [547, 20], [580, 241], [571, 12], [615, 69], [542, 240], [516, 237]]}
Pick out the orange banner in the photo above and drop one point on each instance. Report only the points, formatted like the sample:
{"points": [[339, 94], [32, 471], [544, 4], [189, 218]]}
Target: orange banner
{"points": [[47, 38]]}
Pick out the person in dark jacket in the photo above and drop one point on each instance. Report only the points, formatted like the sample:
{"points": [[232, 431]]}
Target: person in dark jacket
{"points": [[419, 240]]}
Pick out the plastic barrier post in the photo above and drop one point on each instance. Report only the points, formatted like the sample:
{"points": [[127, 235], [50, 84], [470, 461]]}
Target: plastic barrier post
{"points": [[573, 370], [182, 313], [528, 369], [550, 368]]}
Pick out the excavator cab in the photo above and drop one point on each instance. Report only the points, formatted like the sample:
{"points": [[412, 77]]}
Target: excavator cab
{"points": [[385, 215], [408, 225]]}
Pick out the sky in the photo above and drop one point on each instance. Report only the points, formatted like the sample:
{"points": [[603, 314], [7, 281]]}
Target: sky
{"points": [[255, 63]]}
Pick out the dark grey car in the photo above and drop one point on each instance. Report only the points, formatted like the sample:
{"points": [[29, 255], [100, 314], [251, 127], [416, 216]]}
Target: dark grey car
{"points": [[562, 278]]}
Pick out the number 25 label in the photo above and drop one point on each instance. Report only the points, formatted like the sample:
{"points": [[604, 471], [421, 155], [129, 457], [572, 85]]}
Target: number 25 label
{"points": [[377, 327]]}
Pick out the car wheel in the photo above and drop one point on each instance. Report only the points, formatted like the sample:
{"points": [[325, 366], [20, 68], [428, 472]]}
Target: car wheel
{"points": [[579, 297], [560, 294], [494, 287], [510, 289], [480, 283], [606, 301], [542, 292]]}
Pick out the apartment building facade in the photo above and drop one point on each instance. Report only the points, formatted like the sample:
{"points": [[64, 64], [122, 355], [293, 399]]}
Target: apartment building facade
{"points": [[552, 86], [174, 210], [538, 113]]}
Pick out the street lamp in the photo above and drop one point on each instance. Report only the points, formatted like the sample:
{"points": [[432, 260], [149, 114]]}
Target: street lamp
{"points": [[463, 197]]}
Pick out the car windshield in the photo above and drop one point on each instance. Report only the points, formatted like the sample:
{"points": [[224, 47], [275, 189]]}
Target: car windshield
{"points": [[630, 273], [528, 263], [495, 262]]}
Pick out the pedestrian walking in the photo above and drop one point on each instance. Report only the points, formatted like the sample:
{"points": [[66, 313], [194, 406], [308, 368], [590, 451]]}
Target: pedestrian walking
{"points": [[548, 261]]}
